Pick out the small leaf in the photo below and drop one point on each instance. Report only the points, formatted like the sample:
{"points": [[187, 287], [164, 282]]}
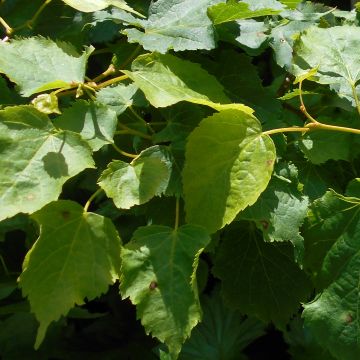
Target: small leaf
{"points": [[37, 64], [136, 183], [167, 258], [76, 256], [95, 5], [225, 12], [46, 103], [228, 165], [96, 123], [38, 160]]}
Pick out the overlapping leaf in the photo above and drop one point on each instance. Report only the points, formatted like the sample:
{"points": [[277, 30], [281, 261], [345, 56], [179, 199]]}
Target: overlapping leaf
{"points": [[230, 11], [279, 213], [222, 334], [228, 165], [167, 80], [95, 5], [37, 64], [173, 24], [96, 123], [339, 68], [137, 182], [261, 279], [333, 242], [158, 267], [36, 160], [76, 256]]}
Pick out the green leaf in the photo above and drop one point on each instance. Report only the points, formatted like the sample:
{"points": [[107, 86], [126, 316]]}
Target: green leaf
{"points": [[222, 334], [333, 317], [225, 12], [178, 25], [166, 80], [279, 212], [307, 11], [339, 68], [120, 97], [319, 147], [136, 183], [96, 123], [292, 4], [46, 103], [228, 165], [76, 256], [259, 278], [302, 345], [37, 64], [252, 33], [283, 38], [158, 274], [38, 160], [95, 5], [264, 4]]}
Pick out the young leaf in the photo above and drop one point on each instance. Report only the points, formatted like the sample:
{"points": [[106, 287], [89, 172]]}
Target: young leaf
{"points": [[166, 80], [334, 56], [225, 12], [38, 160], [228, 165], [333, 317], [96, 123], [136, 183], [261, 279], [158, 274], [76, 256], [173, 24], [95, 5], [37, 64]]}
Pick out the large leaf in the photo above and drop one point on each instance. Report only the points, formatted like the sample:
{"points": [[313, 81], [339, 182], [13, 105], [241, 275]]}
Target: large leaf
{"points": [[333, 317], [36, 160], [37, 64], [259, 278], [175, 24], [228, 165], [222, 334], [136, 183], [158, 274], [225, 12], [95, 122], [95, 5], [76, 256], [340, 67]]}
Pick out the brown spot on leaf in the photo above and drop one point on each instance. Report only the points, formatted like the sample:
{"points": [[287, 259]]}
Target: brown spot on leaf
{"points": [[265, 224], [269, 162], [349, 318], [65, 214], [153, 285]]}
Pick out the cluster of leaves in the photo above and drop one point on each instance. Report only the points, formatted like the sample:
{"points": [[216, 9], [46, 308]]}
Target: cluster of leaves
{"points": [[216, 144]]}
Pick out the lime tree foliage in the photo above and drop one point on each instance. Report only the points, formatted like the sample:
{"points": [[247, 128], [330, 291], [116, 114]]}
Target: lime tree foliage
{"points": [[193, 165]]}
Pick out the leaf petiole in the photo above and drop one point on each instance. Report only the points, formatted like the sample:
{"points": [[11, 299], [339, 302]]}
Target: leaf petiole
{"points": [[92, 197]]}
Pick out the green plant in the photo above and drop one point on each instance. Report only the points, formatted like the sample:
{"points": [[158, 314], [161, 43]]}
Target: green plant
{"points": [[169, 149]]}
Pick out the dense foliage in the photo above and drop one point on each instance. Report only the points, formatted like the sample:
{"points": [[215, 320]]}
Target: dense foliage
{"points": [[197, 161]]}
